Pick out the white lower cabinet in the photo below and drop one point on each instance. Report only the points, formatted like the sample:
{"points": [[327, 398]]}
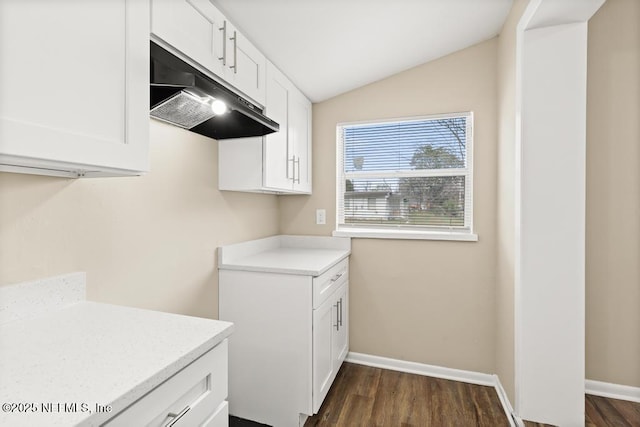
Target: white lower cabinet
{"points": [[330, 342], [220, 418], [195, 396], [290, 339]]}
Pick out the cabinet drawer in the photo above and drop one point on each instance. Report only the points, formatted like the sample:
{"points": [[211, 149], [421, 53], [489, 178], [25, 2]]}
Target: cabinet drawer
{"points": [[194, 394], [329, 281], [220, 418]]}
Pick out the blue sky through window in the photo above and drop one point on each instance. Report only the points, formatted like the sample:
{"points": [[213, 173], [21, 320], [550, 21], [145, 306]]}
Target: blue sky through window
{"points": [[391, 146]]}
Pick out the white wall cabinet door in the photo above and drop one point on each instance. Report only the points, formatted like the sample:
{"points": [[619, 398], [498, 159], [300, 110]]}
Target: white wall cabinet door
{"points": [[196, 28], [246, 65], [299, 149], [288, 151], [75, 87], [200, 32], [277, 167]]}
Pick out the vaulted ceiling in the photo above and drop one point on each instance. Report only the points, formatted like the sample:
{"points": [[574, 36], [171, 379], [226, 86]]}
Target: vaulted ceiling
{"points": [[328, 47]]}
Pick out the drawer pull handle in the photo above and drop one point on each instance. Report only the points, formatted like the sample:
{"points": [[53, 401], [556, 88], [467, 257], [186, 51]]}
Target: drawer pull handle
{"points": [[177, 416], [336, 277]]}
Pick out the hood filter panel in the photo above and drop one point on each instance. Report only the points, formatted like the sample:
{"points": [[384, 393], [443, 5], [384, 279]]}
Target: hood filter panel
{"points": [[183, 109]]}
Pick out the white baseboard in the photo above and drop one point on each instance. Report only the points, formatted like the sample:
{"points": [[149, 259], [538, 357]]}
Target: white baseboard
{"points": [[470, 377], [506, 404], [613, 391], [421, 369]]}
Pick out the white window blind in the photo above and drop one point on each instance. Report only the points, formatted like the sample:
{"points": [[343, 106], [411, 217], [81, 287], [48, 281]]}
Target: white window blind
{"points": [[407, 174]]}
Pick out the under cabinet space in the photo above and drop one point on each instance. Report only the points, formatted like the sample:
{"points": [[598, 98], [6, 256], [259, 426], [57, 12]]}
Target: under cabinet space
{"points": [[279, 162]]}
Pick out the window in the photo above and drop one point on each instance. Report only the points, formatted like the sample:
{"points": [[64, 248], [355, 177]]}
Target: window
{"points": [[407, 178]]}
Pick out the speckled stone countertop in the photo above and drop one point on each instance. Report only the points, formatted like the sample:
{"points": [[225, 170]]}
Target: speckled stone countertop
{"points": [[87, 354]]}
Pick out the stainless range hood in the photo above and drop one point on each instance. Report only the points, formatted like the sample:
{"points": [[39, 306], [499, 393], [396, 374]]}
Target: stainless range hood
{"points": [[183, 96]]}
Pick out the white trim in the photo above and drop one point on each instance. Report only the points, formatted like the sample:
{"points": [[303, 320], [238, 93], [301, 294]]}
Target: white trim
{"points": [[524, 20], [470, 377], [514, 420], [466, 172], [613, 391], [407, 119], [377, 233]]}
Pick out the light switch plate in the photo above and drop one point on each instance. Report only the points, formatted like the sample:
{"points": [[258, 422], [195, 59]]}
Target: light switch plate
{"points": [[321, 216]]}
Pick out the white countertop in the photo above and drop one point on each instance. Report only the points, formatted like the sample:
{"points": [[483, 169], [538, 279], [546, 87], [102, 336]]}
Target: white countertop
{"points": [[308, 262], [94, 353], [303, 255]]}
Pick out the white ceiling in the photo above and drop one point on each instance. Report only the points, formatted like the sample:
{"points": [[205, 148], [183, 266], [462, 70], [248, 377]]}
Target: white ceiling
{"points": [[328, 47]]}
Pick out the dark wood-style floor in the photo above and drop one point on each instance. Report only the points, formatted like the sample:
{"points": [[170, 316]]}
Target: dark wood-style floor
{"points": [[606, 412], [366, 396]]}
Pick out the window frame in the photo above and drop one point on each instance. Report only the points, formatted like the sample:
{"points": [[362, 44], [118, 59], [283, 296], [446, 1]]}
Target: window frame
{"points": [[465, 233]]}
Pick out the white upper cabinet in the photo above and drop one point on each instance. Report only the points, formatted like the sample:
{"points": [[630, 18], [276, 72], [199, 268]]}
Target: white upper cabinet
{"points": [[279, 162], [300, 142], [246, 65], [278, 169], [75, 87], [197, 30], [195, 27]]}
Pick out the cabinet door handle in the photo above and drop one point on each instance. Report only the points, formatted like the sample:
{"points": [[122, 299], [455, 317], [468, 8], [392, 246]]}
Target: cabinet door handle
{"points": [[296, 180], [336, 277], [177, 416], [340, 318], [224, 43], [337, 325], [293, 165], [235, 52]]}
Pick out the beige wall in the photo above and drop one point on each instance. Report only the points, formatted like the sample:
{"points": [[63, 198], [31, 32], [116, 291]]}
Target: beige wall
{"points": [[613, 194], [505, 218], [424, 301], [144, 241], [150, 241]]}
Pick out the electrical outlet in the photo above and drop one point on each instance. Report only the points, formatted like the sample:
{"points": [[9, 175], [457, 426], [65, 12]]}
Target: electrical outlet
{"points": [[321, 216]]}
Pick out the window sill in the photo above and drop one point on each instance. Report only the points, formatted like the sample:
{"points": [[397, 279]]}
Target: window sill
{"points": [[372, 233]]}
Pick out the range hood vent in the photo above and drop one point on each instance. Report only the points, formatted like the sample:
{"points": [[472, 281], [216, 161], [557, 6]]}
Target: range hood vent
{"points": [[183, 96], [183, 109]]}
